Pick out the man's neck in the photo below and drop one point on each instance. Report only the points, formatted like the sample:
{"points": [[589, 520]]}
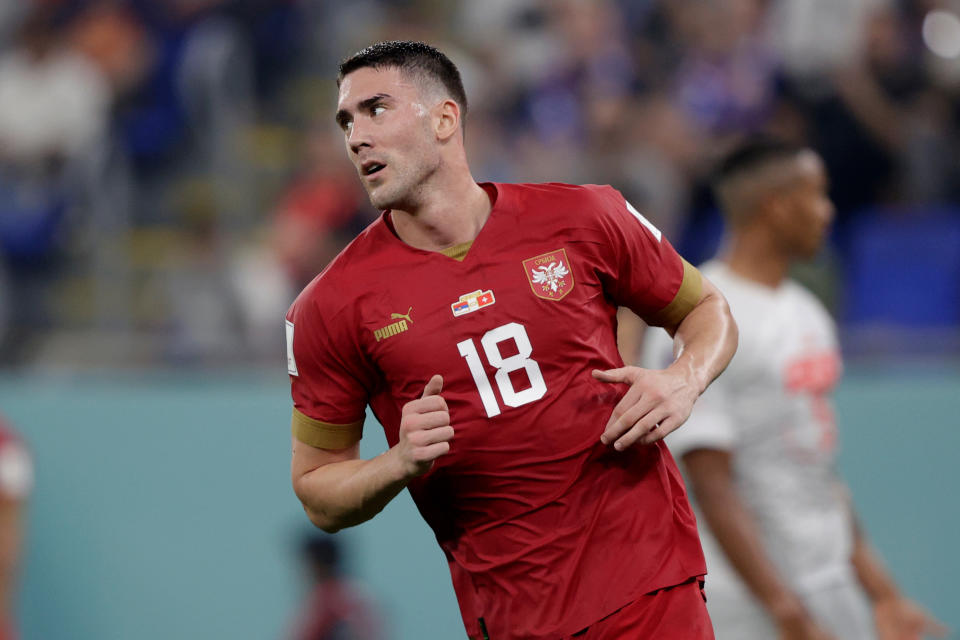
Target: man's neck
{"points": [[449, 215], [751, 254]]}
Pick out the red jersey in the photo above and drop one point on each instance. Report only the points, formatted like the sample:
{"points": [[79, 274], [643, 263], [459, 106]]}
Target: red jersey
{"points": [[16, 466], [545, 529], [16, 483], [336, 610]]}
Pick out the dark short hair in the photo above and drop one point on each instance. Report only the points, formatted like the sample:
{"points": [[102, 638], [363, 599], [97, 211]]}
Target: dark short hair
{"points": [[752, 153], [411, 57]]}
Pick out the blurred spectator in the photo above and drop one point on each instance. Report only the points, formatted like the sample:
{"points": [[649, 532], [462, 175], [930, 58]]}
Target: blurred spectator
{"points": [[725, 81], [53, 102], [514, 38], [859, 100], [262, 290], [580, 94], [815, 37], [196, 89], [11, 14], [659, 156], [54, 108], [641, 94], [320, 211], [335, 608], [201, 317], [111, 35]]}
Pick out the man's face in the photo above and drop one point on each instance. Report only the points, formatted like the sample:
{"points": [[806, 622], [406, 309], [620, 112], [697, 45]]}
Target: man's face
{"points": [[386, 122], [807, 212]]}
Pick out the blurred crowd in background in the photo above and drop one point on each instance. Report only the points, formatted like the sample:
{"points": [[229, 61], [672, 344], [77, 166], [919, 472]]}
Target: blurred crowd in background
{"points": [[171, 176]]}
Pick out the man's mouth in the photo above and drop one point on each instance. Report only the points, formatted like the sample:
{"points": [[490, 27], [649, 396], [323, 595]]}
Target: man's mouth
{"points": [[370, 168]]}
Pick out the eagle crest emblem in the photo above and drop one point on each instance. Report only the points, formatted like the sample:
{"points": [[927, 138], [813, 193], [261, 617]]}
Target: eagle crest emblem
{"points": [[549, 275]]}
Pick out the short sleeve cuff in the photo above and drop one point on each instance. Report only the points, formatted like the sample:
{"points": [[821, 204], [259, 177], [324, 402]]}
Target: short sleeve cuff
{"points": [[700, 434], [325, 435]]}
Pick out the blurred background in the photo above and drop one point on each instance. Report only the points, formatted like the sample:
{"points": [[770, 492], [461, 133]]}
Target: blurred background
{"points": [[170, 177]]}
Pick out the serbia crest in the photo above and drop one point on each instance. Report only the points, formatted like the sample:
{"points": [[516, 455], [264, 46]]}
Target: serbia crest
{"points": [[549, 275]]}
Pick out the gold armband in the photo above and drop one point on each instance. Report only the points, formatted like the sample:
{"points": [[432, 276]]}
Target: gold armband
{"points": [[686, 298], [325, 435]]}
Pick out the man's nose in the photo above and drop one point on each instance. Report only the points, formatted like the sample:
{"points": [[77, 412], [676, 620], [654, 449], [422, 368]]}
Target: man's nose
{"points": [[357, 137]]}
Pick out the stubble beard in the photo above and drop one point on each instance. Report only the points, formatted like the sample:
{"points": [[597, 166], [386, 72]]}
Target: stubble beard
{"points": [[388, 196], [404, 191]]}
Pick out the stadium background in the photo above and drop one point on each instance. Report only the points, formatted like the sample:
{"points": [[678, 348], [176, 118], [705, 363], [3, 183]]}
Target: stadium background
{"points": [[170, 176]]}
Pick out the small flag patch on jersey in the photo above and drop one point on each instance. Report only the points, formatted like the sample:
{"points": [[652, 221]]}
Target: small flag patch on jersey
{"points": [[549, 274], [472, 301]]}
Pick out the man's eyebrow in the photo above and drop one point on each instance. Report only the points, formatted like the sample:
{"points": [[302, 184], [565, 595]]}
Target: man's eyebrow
{"points": [[343, 117]]}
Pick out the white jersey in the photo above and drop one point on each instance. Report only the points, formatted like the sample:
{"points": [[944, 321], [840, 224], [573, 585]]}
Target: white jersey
{"points": [[771, 409]]}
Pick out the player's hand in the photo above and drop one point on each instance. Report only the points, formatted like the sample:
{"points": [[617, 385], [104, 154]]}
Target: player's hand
{"points": [[425, 431], [657, 402], [900, 618]]}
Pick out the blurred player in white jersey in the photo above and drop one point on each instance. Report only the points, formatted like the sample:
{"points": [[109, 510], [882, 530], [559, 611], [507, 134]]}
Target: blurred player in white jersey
{"points": [[785, 556]]}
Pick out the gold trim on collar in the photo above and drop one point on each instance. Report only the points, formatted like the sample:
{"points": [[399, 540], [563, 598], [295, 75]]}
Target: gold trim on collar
{"points": [[458, 251]]}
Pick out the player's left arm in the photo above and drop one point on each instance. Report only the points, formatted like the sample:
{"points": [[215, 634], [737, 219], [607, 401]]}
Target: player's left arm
{"points": [[659, 401], [896, 616]]}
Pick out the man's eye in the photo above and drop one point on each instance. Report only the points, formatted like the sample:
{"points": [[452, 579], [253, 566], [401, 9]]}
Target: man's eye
{"points": [[377, 110]]}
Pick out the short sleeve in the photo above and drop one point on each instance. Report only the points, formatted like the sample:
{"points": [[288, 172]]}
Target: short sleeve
{"points": [[329, 379], [640, 268], [710, 425]]}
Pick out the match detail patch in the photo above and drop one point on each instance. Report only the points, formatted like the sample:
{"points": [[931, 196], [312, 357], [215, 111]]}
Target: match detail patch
{"points": [[470, 302]]}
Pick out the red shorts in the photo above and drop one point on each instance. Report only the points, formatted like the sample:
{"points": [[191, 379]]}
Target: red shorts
{"points": [[673, 613]]}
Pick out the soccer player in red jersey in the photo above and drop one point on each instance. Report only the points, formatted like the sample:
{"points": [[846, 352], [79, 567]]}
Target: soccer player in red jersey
{"points": [[336, 608], [478, 323], [16, 483]]}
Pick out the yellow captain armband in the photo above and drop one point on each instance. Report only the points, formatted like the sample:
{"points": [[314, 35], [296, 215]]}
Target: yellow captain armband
{"points": [[325, 435], [686, 298]]}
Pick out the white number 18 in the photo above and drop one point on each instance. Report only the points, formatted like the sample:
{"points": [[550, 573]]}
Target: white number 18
{"points": [[521, 360]]}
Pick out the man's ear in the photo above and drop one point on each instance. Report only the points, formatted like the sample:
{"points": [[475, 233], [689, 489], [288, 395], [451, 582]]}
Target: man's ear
{"points": [[446, 119]]}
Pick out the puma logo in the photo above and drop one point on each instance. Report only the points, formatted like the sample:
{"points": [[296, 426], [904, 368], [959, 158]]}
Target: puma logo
{"points": [[406, 316]]}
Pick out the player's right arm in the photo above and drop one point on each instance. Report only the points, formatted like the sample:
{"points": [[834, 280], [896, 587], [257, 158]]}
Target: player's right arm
{"points": [[330, 382], [710, 475], [338, 489]]}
